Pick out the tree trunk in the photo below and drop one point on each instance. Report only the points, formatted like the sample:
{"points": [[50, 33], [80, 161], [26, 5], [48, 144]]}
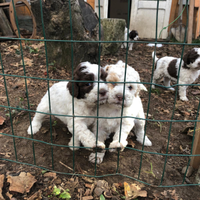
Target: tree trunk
{"points": [[56, 15]]}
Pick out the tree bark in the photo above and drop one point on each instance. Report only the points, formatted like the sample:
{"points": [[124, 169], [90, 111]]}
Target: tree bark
{"points": [[57, 19]]}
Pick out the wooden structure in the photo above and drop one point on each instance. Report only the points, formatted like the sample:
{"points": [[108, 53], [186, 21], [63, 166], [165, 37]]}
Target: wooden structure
{"points": [[194, 17], [9, 27], [195, 161]]}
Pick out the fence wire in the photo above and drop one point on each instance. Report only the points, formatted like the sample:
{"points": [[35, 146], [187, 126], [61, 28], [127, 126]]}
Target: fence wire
{"points": [[72, 41]]}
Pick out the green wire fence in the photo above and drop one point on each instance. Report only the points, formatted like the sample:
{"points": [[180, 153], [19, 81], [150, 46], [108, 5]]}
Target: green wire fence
{"points": [[51, 143]]}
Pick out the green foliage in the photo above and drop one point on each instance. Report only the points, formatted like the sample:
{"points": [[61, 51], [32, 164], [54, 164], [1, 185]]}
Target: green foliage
{"points": [[156, 91], [102, 197], [62, 194]]}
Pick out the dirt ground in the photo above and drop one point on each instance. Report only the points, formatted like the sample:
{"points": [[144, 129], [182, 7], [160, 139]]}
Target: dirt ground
{"points": [[149, 170]]}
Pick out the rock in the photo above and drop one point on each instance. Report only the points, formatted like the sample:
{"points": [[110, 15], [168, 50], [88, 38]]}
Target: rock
{"points": [[57, 27], [189, 171], [98, 191], [113, 30]]}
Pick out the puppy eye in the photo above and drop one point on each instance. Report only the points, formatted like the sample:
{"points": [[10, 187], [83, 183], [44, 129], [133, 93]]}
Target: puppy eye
{"points": [[130, 87], [114, 84], [88, 84]]}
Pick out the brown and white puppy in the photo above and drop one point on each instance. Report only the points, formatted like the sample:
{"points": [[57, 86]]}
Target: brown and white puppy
{"points": [[112, 119], [84, 95], [132, 35], [168, 67]]}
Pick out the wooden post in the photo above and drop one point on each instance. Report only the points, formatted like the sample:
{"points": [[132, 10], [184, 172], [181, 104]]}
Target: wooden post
{"points": [[195, 161], [190, 22], [5, 24]]}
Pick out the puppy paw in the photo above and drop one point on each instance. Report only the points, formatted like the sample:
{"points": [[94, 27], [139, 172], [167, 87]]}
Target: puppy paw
{"points": [[147, 142], [171, 88], [97, 157], [35, 128], [100, 145], [184, 98], [116, 145], [76, 144]]}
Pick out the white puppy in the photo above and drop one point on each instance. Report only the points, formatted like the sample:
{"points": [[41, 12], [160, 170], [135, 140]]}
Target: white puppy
{"points": [[133, 35], [118, 95], [85, 95], [168, 68]]}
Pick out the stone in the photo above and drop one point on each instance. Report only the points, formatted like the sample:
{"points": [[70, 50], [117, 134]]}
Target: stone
{"points": [[57, 26], [113, 30], [98, 191]]}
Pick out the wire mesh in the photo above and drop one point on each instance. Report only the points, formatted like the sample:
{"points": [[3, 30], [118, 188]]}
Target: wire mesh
{"points": [[72, 41]]}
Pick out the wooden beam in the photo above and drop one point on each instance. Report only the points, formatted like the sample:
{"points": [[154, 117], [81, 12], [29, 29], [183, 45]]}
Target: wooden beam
{"points": [[190, 22], [195, 161], [198, 24], [5, 24], [173, 12]]}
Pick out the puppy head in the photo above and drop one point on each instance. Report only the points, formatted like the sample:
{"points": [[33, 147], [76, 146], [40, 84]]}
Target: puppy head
{"points": [[133, 35], [118, 92], [88, 89], [192, 59]]}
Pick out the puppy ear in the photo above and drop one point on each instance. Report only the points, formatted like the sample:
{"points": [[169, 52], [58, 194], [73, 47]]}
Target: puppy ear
{"points": [[103, 74], [139, 88], [74, 86], [190, 56]]}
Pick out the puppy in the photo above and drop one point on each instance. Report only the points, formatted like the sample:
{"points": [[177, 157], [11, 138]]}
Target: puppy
{"points": [[168, 68], [85, 96], [121, 95], [133, 35]]}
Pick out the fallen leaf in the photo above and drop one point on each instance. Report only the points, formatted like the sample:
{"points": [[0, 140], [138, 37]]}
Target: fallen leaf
{"points": [[50, 174], [22, 183], [137, 192], [196, 92], [9, 195], [2, 120], [1, 185], [133, 191], [27, 61], [87, 197], [127, 190], [35, 196]]}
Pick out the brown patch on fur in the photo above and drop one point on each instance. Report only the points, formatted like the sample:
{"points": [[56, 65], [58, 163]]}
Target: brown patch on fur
{"points": [[103, 75], [112, 77], [79, 89], [190, 57], [107, 68], [172, 68]]}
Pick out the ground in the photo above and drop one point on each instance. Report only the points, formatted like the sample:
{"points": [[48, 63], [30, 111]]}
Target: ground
{"points": [[159, 106]]}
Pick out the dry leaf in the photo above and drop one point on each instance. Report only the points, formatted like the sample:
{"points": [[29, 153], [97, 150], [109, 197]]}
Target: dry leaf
{"points": [[27, 61], [1, 185], [2, 120], [50, 174], [22, 183], [133, 191], [87, 197], [9, 195], [127, 190], [37, 196]]}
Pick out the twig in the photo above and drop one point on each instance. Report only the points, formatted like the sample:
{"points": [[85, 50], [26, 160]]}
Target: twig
{"points": [[66, 166]]}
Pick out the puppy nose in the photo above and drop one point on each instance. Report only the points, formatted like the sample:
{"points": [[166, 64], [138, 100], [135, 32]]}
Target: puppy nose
{"points": [[102, 92], [119, 97]]}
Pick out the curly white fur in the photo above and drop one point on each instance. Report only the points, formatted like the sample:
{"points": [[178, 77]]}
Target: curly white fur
{"points": [[62, 104], [189, 70], [112, 110]]}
